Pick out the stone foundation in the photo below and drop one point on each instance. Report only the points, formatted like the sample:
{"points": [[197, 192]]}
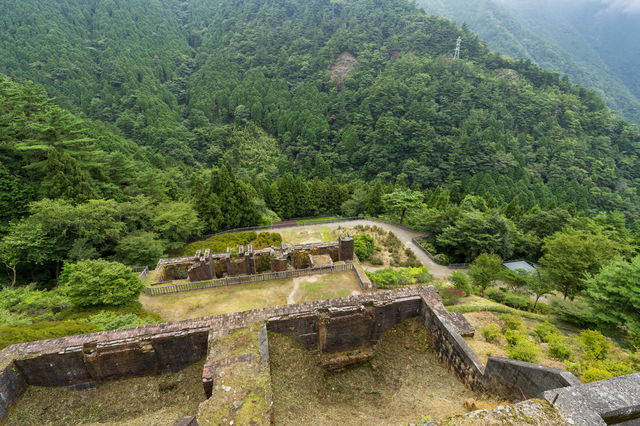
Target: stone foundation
{"points": [[326, 326]]}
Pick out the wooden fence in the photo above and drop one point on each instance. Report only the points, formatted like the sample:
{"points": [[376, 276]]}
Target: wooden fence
{"points": [[144, 271], [243, 279]]}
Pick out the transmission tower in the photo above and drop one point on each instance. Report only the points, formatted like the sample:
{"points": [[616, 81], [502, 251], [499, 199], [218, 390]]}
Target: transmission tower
{"points": [[457, 54]]}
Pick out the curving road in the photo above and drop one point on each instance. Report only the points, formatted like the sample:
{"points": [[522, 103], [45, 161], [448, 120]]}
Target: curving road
{"points": [[405, 236]]}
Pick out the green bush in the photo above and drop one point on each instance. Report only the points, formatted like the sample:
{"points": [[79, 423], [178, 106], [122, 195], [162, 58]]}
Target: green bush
{"points": [[43, 330], [461, 281], [514, 337], [591, 371], [511, 322], [363, 246], [558, 347], [376, 260], [496, 295], [491, 333], [596, 344], [219, 243], [266, 239], [391, 278], [98, 282], [541, 308], [451, 295], [575, 311], [517, 301], [616, 368], [106, 321], [545, 331], [30, 300], [593, 374], [523, 350]]}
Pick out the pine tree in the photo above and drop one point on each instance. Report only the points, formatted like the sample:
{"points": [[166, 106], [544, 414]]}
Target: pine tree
{"points": [[373, 202]]}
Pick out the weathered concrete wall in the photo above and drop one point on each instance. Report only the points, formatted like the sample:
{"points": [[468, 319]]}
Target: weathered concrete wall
{"points": [[111, 355], [329, 326], [338, 329], [612, 401], [453, 351], [345, 247], [12, 384], [507, 377]]}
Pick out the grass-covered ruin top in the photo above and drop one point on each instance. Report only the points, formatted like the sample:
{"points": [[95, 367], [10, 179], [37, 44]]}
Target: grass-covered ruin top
{"points": [[143, 401], [404, 383]]}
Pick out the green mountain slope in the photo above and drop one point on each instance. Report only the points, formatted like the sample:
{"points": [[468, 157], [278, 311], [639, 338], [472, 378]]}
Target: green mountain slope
{"points": [[202, 81], [543, 33]]}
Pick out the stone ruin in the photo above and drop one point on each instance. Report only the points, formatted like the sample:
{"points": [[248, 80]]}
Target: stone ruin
{"points": [[327, 326], [247, 261]]}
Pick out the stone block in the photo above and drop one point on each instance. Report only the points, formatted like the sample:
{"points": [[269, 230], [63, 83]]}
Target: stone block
{"points": [[186, 421], [611, 401], [508, 377]]}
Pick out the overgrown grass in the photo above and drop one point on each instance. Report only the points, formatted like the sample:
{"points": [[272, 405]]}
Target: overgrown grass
{"points": [[27, 315], [219, 243]]}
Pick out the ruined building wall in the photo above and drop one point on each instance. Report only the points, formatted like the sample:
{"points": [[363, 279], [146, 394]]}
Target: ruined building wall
{"points": [[326, 326]]}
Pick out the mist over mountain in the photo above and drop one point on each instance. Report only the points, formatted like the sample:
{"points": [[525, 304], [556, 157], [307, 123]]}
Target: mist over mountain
{"points": [[595, 42]]}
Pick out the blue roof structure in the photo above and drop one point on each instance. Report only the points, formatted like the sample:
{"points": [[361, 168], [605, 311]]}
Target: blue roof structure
{"points": [[519, 264]]}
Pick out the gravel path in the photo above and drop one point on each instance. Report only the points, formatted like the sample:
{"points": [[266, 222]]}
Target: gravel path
{"points": [[405, 236]]}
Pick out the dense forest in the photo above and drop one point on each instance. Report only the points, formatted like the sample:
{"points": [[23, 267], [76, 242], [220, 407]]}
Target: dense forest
{"points": [[590, 42], [129, 127]]}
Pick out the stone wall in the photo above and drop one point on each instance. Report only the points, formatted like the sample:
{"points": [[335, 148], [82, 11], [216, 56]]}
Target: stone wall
{"points": [[453, 351], [508, 378], [326, 326]]}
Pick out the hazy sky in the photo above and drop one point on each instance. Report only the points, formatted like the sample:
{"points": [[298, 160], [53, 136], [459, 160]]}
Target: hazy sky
{"points": [[627, 6]]}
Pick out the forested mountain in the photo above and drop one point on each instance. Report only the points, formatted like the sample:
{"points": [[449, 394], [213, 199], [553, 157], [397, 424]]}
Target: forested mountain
{"points": [[585, 40], [244, 111]]}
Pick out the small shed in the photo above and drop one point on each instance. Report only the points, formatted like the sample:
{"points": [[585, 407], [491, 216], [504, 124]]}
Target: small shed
{"points": [[519, 264]]}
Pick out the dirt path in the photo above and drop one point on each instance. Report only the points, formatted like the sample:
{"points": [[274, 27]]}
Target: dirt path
{"points": [[405, 236], [291, 299]]}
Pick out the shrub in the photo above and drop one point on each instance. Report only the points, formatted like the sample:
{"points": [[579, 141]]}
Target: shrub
{"points": [[267, 239], [496, 295], [140, 249], [98, 282], [516, 301], [363, 246], [511, 322], [411, 263], [542, 308], [523, 350], [460, 280], [514, 337], [421, 275], [593, 374], [392, 242], [617, 368], [219, 243], [390, 278], [451, 295], [596, 344], [558, 347], [43, 330], [106, 321], [30, 300], [376, 260], [575, 311], [545, 331], [491, 333]]}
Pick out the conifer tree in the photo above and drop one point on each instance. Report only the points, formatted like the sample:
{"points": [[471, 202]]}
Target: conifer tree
{"points": [[373, 203]]}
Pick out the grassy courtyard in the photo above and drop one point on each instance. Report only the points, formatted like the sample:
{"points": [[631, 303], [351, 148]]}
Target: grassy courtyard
{"points": [[244, 297]]}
